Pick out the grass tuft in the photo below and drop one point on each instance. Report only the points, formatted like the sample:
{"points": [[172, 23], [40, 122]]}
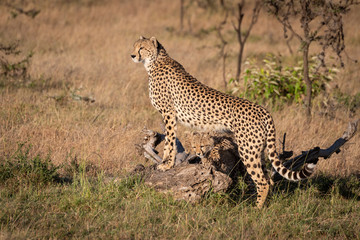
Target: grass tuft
{"points": [[21, 169]]}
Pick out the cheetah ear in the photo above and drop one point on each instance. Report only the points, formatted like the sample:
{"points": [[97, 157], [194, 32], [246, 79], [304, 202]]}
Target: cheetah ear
{"points": [[195, 133], [187, 134], [154, 41], [142, 37], [190, 134]]}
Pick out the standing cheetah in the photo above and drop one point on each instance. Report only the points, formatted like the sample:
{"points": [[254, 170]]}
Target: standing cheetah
{"points": [[178, 96]]}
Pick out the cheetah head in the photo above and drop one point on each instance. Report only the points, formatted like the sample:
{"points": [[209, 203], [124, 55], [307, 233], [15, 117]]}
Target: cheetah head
{"points": [[145, 50], [201, 143]]}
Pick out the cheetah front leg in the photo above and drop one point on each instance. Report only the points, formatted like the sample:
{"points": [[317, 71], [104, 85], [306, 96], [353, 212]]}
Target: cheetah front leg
{"points": [[170, 144]]}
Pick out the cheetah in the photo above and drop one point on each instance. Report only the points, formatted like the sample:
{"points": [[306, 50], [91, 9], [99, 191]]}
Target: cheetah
{"points": [[217, 150], [179, 97], [200, 143]]}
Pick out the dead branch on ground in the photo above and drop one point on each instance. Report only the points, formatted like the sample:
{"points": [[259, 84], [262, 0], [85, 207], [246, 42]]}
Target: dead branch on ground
{"points": [[315, 153]]}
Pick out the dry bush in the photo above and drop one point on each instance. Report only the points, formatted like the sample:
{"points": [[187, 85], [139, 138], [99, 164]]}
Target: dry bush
{"points": [[87, 46]]}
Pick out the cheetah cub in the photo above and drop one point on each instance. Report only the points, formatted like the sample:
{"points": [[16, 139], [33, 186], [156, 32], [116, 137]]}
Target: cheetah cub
{"points": [[215, 150], [179, 97]]}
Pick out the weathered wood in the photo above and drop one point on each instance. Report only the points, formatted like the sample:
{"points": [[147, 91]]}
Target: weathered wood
{"points": [[189, 182], [148, 145], [185, 181], [152, 139]]}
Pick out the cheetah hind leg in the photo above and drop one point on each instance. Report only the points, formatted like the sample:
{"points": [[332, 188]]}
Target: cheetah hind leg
{"points": [[255, 170], [262, 185], [262, 192]]}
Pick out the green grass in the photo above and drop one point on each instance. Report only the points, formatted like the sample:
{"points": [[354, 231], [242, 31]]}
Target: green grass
{"points": [[36, 202]]}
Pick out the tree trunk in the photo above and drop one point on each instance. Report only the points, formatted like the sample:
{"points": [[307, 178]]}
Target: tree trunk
{"points": [[240, 40], [181, 15], [307, 79], [224, 70], [238, 71]]}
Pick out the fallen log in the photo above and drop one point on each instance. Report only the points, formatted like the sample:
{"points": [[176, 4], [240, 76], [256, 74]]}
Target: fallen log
{"points": [[190, 180]]}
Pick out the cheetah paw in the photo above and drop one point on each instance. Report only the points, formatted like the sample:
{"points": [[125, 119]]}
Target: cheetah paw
{"points": [[164, 166]]}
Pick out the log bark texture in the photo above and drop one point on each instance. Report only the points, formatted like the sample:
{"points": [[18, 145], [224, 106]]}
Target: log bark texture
{"points": [[189, 182]]}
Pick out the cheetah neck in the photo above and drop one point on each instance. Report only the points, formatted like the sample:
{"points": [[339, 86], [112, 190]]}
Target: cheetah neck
{"points": [[161, 58]]}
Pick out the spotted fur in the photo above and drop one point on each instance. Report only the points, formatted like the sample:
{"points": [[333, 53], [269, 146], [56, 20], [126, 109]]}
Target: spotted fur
{"points": [[178, 96], [215, 150], [200, 143]]}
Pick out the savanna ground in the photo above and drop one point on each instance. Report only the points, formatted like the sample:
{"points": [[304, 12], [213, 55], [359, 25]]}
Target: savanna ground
{"points": [[56, 185]]}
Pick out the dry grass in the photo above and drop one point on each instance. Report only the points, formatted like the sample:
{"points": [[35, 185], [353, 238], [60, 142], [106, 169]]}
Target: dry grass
{"points": [[87, 46]]}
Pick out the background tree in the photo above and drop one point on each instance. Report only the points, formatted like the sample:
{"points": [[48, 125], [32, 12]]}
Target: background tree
{"points": [[223, 42], [320, 21], [242, 36], [232, 12]]}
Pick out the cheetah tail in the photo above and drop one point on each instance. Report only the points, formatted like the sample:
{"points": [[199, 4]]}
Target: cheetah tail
{"points": [[304, 173]]}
